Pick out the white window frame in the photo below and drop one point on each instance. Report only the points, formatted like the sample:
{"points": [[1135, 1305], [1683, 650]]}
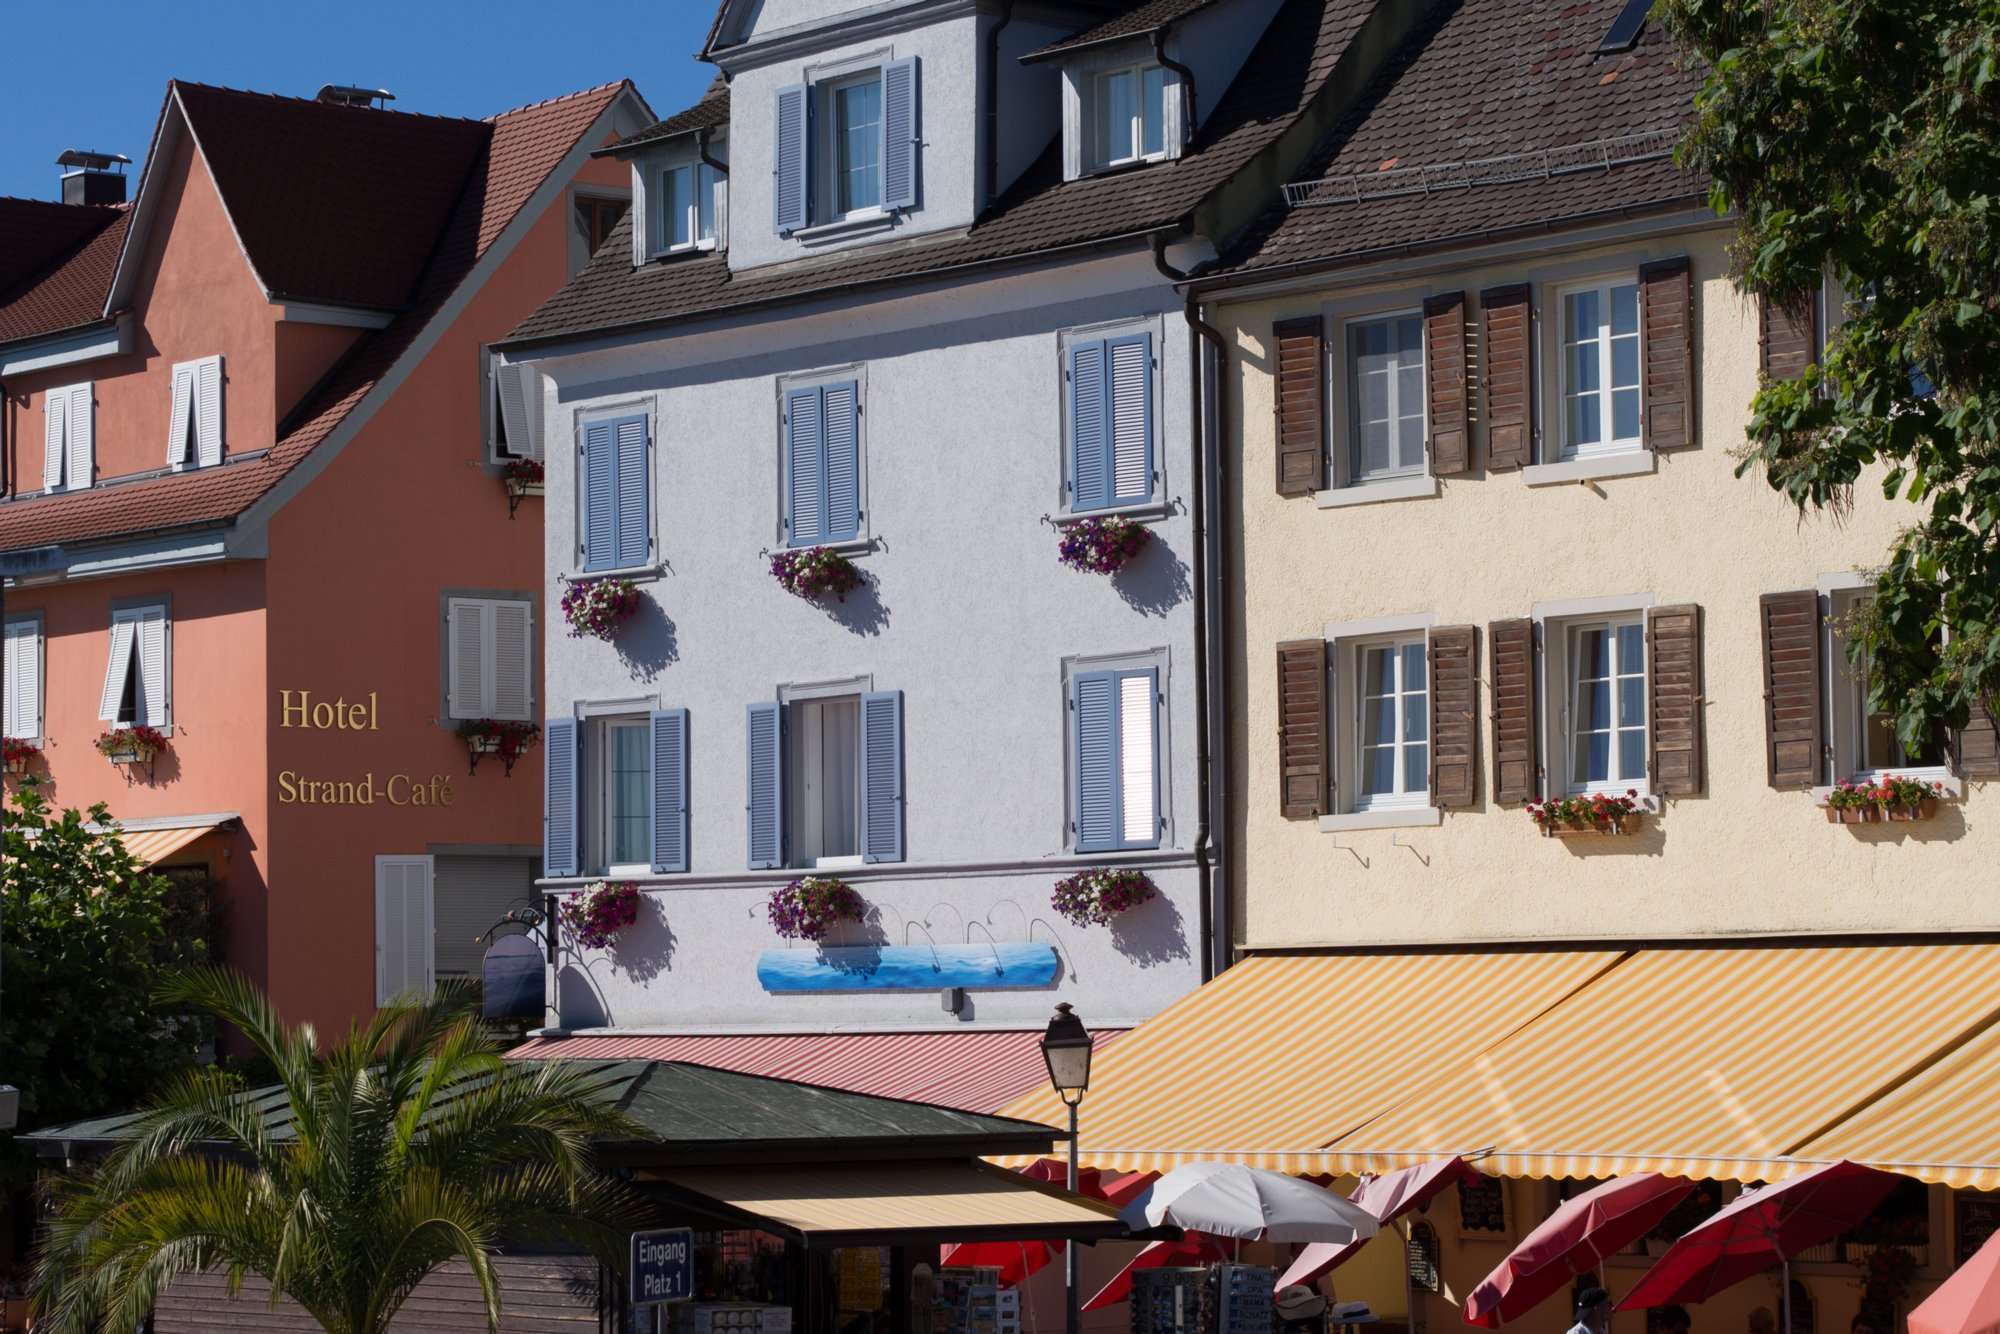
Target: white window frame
{"points": [[1567, 451], [599, 791], [135, 614], [29, 625], [705, 196], [1847, 701], [804, 772], [495, 369], [824, 147], [197, 444], [458, 710], [1137, 70], [1348, 435], [1348, 677], [1083, 154], [1345, 642]]}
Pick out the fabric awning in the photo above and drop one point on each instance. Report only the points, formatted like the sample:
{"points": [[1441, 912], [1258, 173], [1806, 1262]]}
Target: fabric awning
{"points": [[975, 1071], [1282, 1055], [892, 1203], [1698, 1062], [152, 846]]}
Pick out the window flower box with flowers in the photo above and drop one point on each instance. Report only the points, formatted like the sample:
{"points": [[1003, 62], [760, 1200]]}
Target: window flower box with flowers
{"points": [[1889, 799], [1096, 896], [490, 736], [20, 754], [131, 745], [1102, 545], [810, 906], [811, 572], [598, 914], [599, 608], [1586, 816], [522, 478]]}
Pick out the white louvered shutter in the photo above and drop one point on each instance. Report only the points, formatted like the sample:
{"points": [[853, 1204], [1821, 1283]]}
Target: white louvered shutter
{"points": [[513, 659], [123, 628], [24, 680], [642, 240], [208, 437], [80, 470], [403, 914], [1137, 778], [151, 647], [181, 425], [466, 623], [55, 448]]}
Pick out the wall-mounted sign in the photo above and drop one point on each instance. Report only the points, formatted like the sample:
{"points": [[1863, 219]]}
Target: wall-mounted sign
{"points": [[662, 1266], [909, 967], [298, 708], [510, 979], [295, 789]]}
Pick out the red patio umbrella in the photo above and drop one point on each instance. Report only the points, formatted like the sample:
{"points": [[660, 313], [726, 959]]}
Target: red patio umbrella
{"points": [[1388, 1197], [1574, 1240], [1761, 1228], [1966, 1303], [1193, 1249]]}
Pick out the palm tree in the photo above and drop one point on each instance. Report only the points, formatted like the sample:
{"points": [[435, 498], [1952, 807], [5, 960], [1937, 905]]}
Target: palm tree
{"points": [[409, 1144]]}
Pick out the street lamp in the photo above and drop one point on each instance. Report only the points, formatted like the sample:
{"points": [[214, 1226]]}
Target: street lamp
{"points": [[1066, 1049]]}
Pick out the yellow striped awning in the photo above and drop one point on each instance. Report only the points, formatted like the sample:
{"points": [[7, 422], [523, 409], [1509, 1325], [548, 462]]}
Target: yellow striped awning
{"points": [[879, 1203], [1941, 1126], [1282, 1055], [149, 847], [1698, 1062]]}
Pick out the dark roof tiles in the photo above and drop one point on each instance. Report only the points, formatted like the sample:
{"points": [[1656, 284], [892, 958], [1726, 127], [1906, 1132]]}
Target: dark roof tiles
{"points": [[1142, 18], [712, 112]]}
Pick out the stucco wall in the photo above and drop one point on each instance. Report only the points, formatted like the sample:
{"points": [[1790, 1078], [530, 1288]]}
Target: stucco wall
{"points": [[1739, 858], [966, 611]]}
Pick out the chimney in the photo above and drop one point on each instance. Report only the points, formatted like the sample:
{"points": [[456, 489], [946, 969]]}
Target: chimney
{"points": [[339, 95], [93, 178]]}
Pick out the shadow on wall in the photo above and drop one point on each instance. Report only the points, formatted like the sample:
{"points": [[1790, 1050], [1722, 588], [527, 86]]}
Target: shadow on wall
{"points": [[648, 644], [1155, 582], [644, 950], [1151, 934], [862, 610], [579, 1003]]}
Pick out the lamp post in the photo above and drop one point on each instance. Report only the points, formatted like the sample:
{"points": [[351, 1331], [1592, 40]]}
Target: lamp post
{"points": [[1066, 1049]]}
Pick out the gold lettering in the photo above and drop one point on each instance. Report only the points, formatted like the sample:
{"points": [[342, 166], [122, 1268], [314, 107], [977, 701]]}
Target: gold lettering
{"points": [[287, 793], [394, 779], [357, 717], [368, 788], [286, 708], [372, 719], [444, 794], [322, 716]]}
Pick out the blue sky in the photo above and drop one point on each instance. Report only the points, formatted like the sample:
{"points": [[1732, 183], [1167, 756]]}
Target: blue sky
{"points": [[93, 76]]}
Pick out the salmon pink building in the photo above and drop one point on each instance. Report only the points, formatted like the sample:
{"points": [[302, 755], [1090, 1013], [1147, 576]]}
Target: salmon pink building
{"points": [[270, 521]]}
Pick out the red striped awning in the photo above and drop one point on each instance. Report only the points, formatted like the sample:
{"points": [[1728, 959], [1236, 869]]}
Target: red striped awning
{"points": [[980, 1071]]}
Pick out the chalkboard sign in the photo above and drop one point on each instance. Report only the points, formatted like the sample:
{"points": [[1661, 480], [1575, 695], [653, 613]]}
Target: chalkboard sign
{"points": [[1978, 1215], [1482, 1205]]}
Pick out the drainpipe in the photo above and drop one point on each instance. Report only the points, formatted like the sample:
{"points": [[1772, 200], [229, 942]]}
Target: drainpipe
{"points": [[993, 101], [701, 151], [1186, 75], [1210, 621]]}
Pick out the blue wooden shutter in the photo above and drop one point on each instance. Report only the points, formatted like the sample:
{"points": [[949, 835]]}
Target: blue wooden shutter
{"points": [[600, 496], [633, 546], [670, 789], [765, 801], [805, 482], [882, 776], [559, 797], [1089, 429], [840, 437], [1129, 461], [899, 134], [1096, 757], [790, 204]]}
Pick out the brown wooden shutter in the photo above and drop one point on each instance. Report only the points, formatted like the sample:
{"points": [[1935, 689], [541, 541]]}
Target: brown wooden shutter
{"points": [[1445, 384], [1454, 723], [1512, 681], [1793, 724], [1788, 338], [1674, 723], [1301, 404], [1302, 740], [1977, 747], [1666, 314], [1507, 366]]}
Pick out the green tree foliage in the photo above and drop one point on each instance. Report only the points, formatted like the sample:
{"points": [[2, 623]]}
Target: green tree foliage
{"points": [[1861, 138], [85, 931], [408, 1145]]}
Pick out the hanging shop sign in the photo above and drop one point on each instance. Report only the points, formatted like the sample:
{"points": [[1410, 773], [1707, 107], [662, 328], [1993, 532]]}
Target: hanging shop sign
{"points": [[511, 977], [662, 1267]]}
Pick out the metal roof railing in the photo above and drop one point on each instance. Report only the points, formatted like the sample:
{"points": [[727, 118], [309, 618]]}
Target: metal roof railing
{"points": [[1540, 164]]}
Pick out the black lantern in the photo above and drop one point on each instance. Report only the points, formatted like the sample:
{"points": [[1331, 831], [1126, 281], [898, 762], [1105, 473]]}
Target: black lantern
{"points": [[1066, 1048]]}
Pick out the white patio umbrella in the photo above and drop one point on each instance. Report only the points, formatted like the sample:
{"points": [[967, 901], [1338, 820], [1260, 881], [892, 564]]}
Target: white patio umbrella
{"points": [[1248, 1203]]}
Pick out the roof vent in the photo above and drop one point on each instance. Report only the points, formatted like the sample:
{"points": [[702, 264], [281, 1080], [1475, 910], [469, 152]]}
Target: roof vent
{"points": [[1625, 29], [92, 178], [340, 95]]}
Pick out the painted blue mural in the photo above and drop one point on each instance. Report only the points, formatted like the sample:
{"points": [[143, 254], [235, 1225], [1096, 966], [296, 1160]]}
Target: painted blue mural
{"points": [[909, 967]]}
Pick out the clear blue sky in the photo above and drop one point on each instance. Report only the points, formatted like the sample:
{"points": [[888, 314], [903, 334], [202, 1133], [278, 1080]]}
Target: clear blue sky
{"points": [[93, 75]]}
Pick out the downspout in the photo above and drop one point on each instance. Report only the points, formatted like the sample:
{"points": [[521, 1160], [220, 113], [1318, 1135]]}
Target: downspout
{"points": [[993, 102], [701, 151], [1186, 76], [1211, 748]]}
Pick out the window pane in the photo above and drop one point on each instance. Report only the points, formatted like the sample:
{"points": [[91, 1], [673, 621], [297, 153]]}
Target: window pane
{"points": [[1413, 667], [1155, 91], [1631, 648], [705, 201], [1631, 755], [1114, 116], [857, 130], [1632, 701], [1375, 672], [1593, 763], [1378, 722], [1378, 770], [1625, 414], [1580, 316], [675, 197], [631, 832], [1592, 654], [1624, 309], [1385, 378], [1416, 768]]}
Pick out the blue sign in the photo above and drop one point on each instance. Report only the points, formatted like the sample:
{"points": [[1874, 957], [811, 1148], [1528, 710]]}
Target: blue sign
{"points": [[511, 979], [909, 967], [662, 1266]]}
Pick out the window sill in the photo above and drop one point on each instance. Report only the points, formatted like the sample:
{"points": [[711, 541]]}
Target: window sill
{"points": [[1954, 786], [1408, 817], [1647, 803], [1625, 463], [638, 574], [1371, 493], [851, 546], [859, 224], [675, 252], [833, 864], [1151, 509]]}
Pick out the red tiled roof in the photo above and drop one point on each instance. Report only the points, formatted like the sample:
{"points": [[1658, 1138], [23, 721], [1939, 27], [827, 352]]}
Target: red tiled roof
{"points": [[525, 146], [62, 257]]}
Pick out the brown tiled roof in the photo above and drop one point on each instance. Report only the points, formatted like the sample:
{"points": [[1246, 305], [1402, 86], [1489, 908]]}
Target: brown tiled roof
{"points": [[1300, 47], [709, 113], [62, 258], [525, 146], [1141, 18], [1491, 78]]}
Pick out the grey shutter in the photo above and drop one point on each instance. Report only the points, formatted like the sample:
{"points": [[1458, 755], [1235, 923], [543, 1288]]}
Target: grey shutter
{"points": [[1299, 350], [765, 776], [1129, 463], [559, 832], [402, 928], [670, 790], [1454, 654], [1794, 732], [882, 803], [1673, 676], [81, 426], [1094, 701], [805, 487], [600, 496], [1666, 326], [791, 117], [55, 437], [1506, 352], [519, 392], [899, 134], [466, 640], [840, 454], [634, 511], [208, 414], [1445, 394], [1516, 752], [1089, 427], [513, 660], [1303, 752]]}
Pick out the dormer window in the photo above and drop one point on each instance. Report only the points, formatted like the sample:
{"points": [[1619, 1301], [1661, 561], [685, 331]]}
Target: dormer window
{"points": [[1121, 107], [687, 206], [846, 148], [1131, 117]]}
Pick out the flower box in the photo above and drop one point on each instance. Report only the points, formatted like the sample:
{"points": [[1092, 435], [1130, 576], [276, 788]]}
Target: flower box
{"points": [[483, 745], [1853, 814], [601, 912], [489, 736], [528, 488], [810, 572], [1891, 799], [1590, 815], [131, 745], [17, 766], [808, 907], [599, 608], [1102, 545], [1592, 828], [1922, 810], [1096, 896]]}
